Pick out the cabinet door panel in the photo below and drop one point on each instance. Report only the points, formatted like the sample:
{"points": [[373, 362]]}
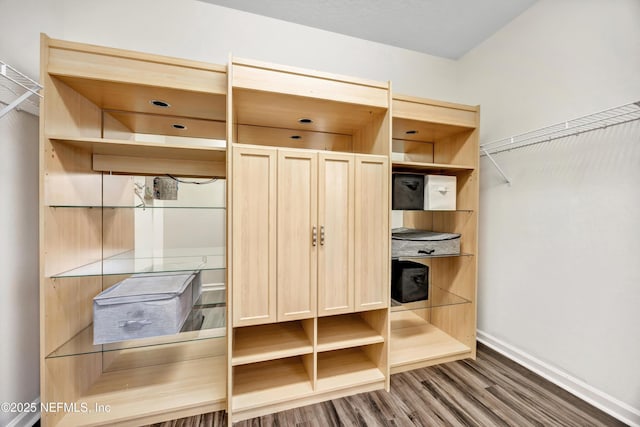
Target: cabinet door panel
{"points": [[254, 236], [336, 216], [297, 217], [371, 232]]}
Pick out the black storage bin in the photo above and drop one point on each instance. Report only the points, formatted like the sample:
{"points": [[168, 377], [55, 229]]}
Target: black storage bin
{"points": [[409, 281], [408, 192]]}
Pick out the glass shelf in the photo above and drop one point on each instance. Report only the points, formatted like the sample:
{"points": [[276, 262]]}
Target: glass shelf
{"points": [[430, 256], [438, 297], [207, 320], [132, 262]]}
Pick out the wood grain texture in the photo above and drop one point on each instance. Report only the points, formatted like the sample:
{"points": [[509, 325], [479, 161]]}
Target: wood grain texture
{"points": [[279, 137], [490, 391], [336, 187], [437, 112], [254, 236], [309, 84], [372, 234], [298, 234]]}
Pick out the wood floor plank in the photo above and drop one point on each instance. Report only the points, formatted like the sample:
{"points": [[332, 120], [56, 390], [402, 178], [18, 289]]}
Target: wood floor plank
{"points": [[490, 391]]}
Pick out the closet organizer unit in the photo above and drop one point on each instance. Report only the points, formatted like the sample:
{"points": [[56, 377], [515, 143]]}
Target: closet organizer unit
{"points": [[309, 235], [306, 158], [109, 120], [438, 138]]}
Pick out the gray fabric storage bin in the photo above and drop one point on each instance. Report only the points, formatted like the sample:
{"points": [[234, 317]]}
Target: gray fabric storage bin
{"points": [[407, 191], [196, 282], [408, 242], [144, 306]]}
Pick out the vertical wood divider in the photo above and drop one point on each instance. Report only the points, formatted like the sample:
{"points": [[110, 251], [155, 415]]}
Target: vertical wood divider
{"points": [[229, 242]]}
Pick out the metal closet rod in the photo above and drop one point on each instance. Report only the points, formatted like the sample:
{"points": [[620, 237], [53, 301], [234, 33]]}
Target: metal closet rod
{"points": [[20, 86], [610, 117]]}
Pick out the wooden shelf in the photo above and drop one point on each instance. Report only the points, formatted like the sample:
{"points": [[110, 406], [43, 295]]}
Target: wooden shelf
{"points": [[120, 147], [267, 342], [336, 332], [425, 131], [399, 166], [116, 79], [415, 342], [150, 158], [268, 383], [140, 394], [158, 124], [346, 368], [431, 119]]}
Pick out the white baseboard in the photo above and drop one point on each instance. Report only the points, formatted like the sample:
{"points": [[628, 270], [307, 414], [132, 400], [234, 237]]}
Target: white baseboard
{"points": [[26, 419], [601, 400]]}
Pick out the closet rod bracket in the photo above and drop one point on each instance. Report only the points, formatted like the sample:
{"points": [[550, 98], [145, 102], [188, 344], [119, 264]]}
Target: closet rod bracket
{"points": [[18, 87], [497, 166]]}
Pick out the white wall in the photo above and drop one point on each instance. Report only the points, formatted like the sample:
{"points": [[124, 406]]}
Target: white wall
{"points": [[559, 277], [19, 309]]}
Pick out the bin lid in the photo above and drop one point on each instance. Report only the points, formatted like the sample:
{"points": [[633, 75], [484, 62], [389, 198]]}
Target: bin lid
{"points": [[145, 287], [421, 235]]}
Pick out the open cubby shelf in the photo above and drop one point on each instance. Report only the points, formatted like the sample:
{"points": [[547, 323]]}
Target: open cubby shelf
{"points": [[267, 342], [270, 382], [415, 341], [133, 394], [344, 331], [344, 368]]}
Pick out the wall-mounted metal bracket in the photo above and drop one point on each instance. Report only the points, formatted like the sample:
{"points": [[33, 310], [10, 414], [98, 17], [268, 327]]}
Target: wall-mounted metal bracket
{"points": [[18, 91], [600, 120]]}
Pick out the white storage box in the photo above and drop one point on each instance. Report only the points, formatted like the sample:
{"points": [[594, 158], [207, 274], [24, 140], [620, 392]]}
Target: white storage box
{"points": [[408, 242], [440, 193], [144, 306]]}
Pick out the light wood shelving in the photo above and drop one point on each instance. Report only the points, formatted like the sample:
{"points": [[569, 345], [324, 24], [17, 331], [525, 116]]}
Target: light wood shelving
{"points": [[345, 331], [141, 395], [267, 342], [433, 137], [310, 204], [429, 167], [307, 158], [416, 343], [99, 119], [270, 383], [347, 368]]}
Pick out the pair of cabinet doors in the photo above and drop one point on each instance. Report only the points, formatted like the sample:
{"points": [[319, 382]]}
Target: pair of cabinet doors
{"points": [[310, 234]]}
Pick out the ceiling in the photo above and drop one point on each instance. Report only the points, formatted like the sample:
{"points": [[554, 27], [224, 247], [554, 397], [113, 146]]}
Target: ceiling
{"points": [[446, 28]]}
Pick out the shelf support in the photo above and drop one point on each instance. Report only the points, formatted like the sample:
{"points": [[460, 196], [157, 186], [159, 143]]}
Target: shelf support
{"points": [[14, 104], [20, 80], [490, 157]]}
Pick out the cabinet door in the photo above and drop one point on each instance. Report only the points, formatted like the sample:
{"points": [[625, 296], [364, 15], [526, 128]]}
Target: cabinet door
{"points": [[372, 236], [298, 234], [254, 236], [336, 234]]}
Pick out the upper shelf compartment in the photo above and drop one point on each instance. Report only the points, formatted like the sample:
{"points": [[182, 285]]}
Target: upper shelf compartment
{"points": [[417, 119], [120, 80], [433, 135], [292, 107]]}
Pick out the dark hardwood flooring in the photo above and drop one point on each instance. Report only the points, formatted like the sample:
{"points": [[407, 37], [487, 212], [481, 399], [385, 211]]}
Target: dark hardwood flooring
{"points": [[490, 391]]}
